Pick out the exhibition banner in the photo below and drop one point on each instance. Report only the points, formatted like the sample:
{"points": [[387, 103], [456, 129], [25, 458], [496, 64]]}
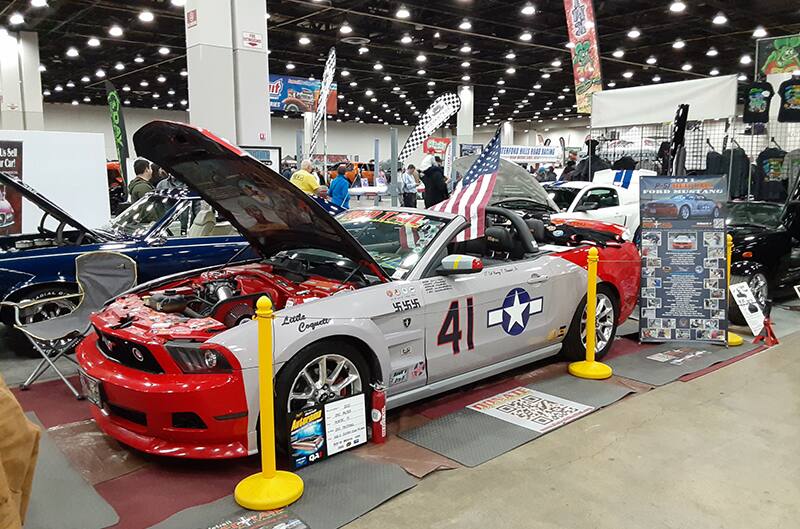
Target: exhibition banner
{"points": [[118, 128], [321, 111], [585, 53], [683, 293], [10, 200], [295, 94], [529, 153], [443, 108], [778, 55], [434, 145]]}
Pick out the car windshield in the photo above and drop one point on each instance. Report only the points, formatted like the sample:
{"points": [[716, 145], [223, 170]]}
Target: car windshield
{"points": [[140, 217], [754, 214], [396, 240], [562, 196]]}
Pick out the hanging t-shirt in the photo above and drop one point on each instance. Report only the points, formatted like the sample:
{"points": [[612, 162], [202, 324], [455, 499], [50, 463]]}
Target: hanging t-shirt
{"points": [[771, 162], [789, 92], [757, 100]]}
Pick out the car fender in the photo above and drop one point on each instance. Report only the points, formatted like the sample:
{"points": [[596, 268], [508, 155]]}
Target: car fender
{"points": [[748, 268]]}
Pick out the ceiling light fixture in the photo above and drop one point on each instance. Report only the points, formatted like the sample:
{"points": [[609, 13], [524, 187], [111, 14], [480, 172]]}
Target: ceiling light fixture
{"points": [[719, 19], [618, 53], [70, 84], [362, 50], [421, 58], [742, 77], [143, 83], [465, 25], [161, 79], [58, 88], [377, 66], [163, 50], [42, 68], [178, 3], [345, 29], [115, 31], [612, 84], [126, 88], [16, 19], [421, 72], [511, 71], [403, 12], [651, 60], [677, 7], [406, 39], [146, 16], [465, 64], [304, 40], [387, 77], [38, 3], [634, 33], [528, 9], [745, 59], [465, 48], [72, 52], [712, 52], [525, 36], [100, 73], [93, 42], [628, 74], [679, 44], [556, 63], [686, 67], [759, 32], [713, 72], [119, 66], [184, 73], [290, 66], [138, 59], [465, 78]]}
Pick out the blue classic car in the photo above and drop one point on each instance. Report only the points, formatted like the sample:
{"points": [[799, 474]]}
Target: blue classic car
{"points": [[164, 232], [684, 206]]}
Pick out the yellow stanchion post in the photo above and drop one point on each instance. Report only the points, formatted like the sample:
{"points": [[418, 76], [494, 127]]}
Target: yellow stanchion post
{"points": [[270, 488], [733, 338], [590, 368]]}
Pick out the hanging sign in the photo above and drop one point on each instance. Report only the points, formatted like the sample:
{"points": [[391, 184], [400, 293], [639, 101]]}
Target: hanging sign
{"points": [[529, 153], [434, 145], [468, 149], [118, 128], [296, 94], [585, 53], [683, 293]]}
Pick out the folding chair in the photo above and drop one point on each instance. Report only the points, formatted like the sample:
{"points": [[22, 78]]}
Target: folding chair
{"points": [[101, 276]]}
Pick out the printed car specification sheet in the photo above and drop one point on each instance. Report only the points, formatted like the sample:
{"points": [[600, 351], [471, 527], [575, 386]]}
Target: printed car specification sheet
{"points": [[345, 424], [683, 289]]}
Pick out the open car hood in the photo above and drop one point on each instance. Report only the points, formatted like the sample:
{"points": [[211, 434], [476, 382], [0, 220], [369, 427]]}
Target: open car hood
{"points": [[267, 209], [45, 204]]}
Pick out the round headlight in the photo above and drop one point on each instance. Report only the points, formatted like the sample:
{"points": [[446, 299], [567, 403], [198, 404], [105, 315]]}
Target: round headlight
{"points": [[210, 358]]}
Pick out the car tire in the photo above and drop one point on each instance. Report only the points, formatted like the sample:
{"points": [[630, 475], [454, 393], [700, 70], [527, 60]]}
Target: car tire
{"points": [[333, 350], [16, 340], [757, 281], [685, 212], [574, 346]]}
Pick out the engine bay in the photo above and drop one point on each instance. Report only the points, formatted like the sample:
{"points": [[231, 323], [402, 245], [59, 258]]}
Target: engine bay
{"points": [[202, 305]]}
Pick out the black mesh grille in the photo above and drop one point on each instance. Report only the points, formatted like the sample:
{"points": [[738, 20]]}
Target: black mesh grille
{"points": [[129, 415], [129, 354]]}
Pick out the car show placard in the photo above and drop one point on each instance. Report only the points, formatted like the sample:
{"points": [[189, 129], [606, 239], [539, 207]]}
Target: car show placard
{"points": [[743, 296], [10, 201], [531, 409], [683, 287], [321, 431]]}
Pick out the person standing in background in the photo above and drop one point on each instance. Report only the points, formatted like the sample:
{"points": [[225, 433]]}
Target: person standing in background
{"points": [[141, 185], [303, 179], [408, 187], [435, 184], [339, 190]]}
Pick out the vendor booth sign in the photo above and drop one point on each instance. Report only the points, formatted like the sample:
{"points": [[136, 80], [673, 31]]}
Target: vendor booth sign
{"points": [[434, 145], [529, 154], [468, 149], [585, 54], [10, 201], [295, 94], [683, 289], [778, 55]]}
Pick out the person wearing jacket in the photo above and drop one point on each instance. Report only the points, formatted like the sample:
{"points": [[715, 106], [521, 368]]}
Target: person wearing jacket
{"points": [[339, 190], [435, 184], [408, 187], [141, 185]]}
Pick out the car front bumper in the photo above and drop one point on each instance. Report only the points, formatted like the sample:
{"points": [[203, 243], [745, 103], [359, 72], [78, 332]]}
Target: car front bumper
{"points": [[178, 415]]}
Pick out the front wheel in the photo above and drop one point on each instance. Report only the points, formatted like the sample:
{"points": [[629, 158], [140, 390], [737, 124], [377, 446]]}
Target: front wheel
{"points": [[759, 286], [58, 305], [607, 314], [685, 212], [322, 372]]}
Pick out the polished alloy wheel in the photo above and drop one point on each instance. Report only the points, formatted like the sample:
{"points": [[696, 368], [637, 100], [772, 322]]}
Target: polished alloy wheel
{"points": [[760, 288], [604, 325], [326, 378], [47, 311], [685, 212]]}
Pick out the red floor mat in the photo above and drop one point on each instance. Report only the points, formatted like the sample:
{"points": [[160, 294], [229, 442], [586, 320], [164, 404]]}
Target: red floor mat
{"points": [[53, 402]]}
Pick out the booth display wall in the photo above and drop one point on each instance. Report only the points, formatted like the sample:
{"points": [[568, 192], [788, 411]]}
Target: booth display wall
{"points": [[69, 169]]}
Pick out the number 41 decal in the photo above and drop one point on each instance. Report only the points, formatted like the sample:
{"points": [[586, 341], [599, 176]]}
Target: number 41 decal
{"points": [[450, 332]]}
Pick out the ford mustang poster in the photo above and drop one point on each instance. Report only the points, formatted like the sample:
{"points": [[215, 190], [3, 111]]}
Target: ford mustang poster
{"points": [[683, 287], [295, 94]]}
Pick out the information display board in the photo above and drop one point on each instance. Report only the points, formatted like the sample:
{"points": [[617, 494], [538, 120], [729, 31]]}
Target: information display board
{"points": [[324, 430], [10, 201], [297, 94], [268, 155], [683, 289]]}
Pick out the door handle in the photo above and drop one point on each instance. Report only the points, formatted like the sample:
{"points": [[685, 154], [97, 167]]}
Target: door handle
{"points": [[536, 278]]}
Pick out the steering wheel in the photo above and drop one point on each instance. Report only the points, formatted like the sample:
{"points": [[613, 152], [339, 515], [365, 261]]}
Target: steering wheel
{"points": [[42, 230]]}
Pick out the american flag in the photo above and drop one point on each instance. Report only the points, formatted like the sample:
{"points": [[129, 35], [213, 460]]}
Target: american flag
{"points": [[474, 191]]}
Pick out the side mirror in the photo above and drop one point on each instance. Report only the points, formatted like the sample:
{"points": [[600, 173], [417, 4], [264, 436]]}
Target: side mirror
{"points": [[459, 264], [589, 206]]}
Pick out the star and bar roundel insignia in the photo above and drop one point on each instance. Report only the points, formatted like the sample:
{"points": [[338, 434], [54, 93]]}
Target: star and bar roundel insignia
{"points": [[517, 309]]}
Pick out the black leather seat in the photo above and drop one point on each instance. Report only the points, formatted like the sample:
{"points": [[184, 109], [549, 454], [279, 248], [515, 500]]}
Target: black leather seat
{"points": [[501, 240], [537, 229]]}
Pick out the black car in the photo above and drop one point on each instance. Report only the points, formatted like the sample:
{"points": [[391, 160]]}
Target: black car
{"points": [[766, 248]]}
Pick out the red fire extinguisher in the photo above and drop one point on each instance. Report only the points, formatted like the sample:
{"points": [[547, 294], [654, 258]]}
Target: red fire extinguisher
{"points": [[378, 414]]}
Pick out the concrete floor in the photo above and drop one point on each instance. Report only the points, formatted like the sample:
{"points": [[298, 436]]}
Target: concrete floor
{"points": [[720, 451]]}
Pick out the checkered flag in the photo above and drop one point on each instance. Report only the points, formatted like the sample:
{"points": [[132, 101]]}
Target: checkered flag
{"points": [[322, 102], [442, 109]]}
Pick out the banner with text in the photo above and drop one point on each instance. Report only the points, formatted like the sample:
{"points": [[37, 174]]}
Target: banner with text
{"points": [[296, 94], [10, 200], [434, 145], [529, 153], [585, 53], [683, 290]]}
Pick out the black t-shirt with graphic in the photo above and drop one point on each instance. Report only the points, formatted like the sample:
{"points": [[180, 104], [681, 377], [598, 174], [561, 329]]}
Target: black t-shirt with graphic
{"points": [[789, 93], [757, 100]]}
